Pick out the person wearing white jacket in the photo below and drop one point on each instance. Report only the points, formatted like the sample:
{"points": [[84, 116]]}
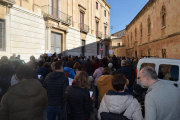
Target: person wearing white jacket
{"points": [[120, 100]]}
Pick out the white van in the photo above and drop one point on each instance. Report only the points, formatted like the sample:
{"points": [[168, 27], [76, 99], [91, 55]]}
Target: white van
{"points": [[167, 69]]}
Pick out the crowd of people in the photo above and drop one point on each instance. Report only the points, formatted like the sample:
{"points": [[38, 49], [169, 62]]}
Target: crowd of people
{"points": [[64, 86]]}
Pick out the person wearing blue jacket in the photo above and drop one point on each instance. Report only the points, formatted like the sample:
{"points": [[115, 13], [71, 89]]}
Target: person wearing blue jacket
{"points": [[67, 69]]}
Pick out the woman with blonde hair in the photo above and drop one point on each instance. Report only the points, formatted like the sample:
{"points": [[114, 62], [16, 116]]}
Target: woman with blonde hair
{"points": [[78, 97]]}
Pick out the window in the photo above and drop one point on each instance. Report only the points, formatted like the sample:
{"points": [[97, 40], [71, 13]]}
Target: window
{"points": [[2, 35], [97, 5], [128, 40], [105, 13], [147, 64], [131, 39], [135, 34], [149, 26], [141, 30], [163, 53], [168, 72], [81, 20], [55, 8], [163, 16], [83, 47]]}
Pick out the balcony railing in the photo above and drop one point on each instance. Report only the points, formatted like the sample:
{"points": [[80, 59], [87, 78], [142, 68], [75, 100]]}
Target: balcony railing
{"points": [[83, 27], [107, 37], [49, 11], [98, 34]]}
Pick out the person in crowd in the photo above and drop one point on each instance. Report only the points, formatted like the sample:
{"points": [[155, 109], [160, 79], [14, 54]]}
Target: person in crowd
{"points": [[79, 69], [104, 83], [25, 100], [97, 74], [48, 69], [78, 97], [110, 65], [14, 79], [120, 100], [76, 65], [89, 67], [40, 70], [65, 61], [53, 66], [77, 60], [92, 59], [127, 71], [105, 62], [115, 62], [96, 64], [13, 56], [82, 60], [70, 72], [139, 93], [55, 85], [162, 101], [6, 72]]}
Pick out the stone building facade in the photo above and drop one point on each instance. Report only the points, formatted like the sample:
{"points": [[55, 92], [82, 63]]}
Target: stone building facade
{"points": [[155, 31], [71, 27]]}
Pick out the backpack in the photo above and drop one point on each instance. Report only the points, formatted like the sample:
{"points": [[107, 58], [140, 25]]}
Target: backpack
{"points": [[66, 74]]}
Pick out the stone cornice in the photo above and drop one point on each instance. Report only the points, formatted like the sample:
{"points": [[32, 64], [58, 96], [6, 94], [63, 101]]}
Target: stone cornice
{"points": [[106, 4], [143, 10], [8, 3], [82, 7]]}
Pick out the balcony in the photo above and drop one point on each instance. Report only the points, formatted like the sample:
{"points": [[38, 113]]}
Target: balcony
{"points": [[98, 34], [107, 37], [8, 3], [53, 13], [83, 27]]}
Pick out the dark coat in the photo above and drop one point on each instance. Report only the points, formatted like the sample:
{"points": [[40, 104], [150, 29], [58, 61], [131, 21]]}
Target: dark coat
{"points": [[56, 84], [89, 66], [41, 71], [24, 101], [6, 72], [80, 102], [128, 72]]}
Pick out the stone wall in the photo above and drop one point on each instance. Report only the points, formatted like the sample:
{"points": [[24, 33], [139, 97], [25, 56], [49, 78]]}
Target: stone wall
{"points": [[73, 42], [27, 33], [160, 37]]}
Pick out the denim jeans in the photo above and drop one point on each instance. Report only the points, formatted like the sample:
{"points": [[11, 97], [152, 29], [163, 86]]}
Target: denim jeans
{"points": [[52, 111]]}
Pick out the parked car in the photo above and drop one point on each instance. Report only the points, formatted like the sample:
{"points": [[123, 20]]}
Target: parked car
{"points": [[167, 69], [17, 60]]}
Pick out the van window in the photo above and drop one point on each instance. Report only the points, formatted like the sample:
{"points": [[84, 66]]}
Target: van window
{"points": [[168, 72], [147, 64]]}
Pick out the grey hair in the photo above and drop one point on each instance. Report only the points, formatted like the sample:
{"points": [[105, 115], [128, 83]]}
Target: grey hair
{"points": [[150, 72], [123, 62], [128, 62]]}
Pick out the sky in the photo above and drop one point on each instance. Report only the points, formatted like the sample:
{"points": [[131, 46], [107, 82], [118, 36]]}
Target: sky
{"points": [[122, 12]]}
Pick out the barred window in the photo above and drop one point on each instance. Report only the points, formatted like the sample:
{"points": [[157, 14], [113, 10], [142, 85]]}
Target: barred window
{"points": [[2, 35]]}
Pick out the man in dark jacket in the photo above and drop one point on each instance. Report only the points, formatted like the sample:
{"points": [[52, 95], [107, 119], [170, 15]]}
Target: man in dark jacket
{"points": [[89, 67], [25, 100], [40, 70], [128, 72], [6, 72], [55, 84]]}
